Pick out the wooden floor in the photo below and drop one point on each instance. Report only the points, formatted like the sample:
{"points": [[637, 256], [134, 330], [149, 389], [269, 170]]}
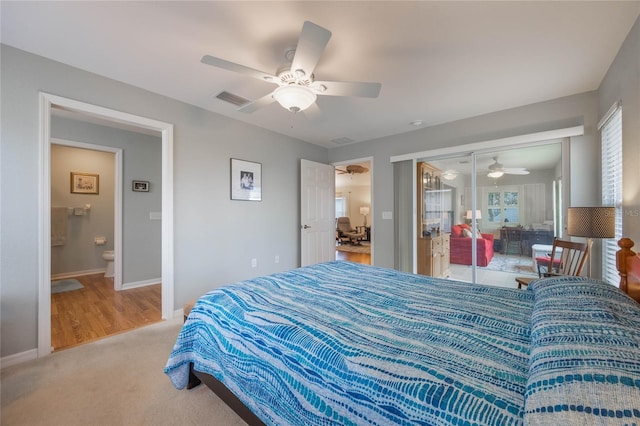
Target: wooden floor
{"points": [[364, 258], [98, 311]]}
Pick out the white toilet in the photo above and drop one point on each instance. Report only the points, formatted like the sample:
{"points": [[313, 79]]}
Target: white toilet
{"points": [[108, 255]]}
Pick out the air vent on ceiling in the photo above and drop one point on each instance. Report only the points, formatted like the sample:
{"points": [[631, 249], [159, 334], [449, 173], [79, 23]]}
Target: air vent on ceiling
{"points": [[232, 99], [342, 141]]}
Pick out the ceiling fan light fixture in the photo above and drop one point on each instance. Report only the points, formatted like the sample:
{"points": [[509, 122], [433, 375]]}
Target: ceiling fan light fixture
{"points": [[495, 174], [450, 175], [294, 98]]}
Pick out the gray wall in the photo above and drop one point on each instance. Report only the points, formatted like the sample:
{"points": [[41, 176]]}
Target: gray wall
{"points": [[142, 160], [215, 238], [622, 83], [558, 113]]}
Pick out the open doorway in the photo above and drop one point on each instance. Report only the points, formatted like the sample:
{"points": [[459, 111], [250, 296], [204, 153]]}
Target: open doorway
{"points": [[354, 224], [120, 120], [89, 300]]}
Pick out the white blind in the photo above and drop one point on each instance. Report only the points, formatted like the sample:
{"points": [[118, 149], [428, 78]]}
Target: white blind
{"points": [[612, 189]]}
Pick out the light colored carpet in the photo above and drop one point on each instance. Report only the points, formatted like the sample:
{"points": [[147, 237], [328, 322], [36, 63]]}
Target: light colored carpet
{"points": [[63, 286], [363, 247], [115, 381]]}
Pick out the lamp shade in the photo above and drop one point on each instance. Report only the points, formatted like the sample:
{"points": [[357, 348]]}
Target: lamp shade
{"points": [[294, 97], [364, 210], [591, 222], [478, 214]]}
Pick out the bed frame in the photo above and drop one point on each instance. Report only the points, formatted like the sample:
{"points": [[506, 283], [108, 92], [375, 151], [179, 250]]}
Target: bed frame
{"points": [[197, 377], [627, 263]]}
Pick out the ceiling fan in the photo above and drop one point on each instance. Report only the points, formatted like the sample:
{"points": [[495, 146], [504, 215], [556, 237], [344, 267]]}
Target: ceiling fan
{"points": [[497, 170], [353, 169], [297, 88]]}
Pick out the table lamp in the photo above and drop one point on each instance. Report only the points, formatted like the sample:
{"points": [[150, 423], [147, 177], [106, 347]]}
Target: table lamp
{"points": [[364, 211], [470, 216], [591, 222]]}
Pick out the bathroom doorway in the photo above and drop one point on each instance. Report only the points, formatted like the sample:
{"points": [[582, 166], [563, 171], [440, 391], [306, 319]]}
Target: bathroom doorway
{"points": [[88, 299], [83, 222], [164, 216]]}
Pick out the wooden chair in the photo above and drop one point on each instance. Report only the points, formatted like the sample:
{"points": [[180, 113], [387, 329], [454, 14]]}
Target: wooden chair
{"points": [[570, 261], [628, 265]]}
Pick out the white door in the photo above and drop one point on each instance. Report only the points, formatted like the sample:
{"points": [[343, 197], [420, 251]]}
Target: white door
{"points": [[317, 213]]}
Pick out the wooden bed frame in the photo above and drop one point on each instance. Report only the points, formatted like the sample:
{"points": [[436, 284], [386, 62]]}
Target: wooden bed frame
{"points": [[627, 263]]}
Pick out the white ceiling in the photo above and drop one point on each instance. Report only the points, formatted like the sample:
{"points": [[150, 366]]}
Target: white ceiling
{"points": [[437, 61]]}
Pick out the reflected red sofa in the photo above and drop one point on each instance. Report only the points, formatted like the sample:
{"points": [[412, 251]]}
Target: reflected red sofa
{"points": [[461, 247]]}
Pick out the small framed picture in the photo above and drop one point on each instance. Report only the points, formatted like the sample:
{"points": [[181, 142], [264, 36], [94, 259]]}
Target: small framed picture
{"points": [[85, 183], [140, 185], [246, 180]]}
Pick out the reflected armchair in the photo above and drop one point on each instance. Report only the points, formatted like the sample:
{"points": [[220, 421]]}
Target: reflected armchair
{"points": [[347, 233]]}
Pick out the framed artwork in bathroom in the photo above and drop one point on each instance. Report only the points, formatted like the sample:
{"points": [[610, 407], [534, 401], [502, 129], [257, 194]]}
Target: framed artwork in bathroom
{"points": [[246, 180], [140, 186], [85, 183]]}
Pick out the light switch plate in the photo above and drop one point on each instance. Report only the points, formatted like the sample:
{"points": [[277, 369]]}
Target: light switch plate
{"points": [[155, 216], [387, 215]]}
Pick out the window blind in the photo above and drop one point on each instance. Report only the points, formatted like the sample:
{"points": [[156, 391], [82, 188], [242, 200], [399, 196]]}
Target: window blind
{"points": [[612, 187]]}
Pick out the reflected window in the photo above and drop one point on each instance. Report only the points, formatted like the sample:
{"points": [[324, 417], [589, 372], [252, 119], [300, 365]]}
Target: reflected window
{"points": [[503, 206]]}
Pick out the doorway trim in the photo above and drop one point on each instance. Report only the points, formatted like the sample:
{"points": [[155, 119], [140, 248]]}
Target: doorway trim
{"points": [[46, 102]]}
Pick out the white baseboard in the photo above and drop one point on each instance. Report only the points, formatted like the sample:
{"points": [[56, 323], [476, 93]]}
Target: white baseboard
{"points": [[18, 358], [76, 274], [178, 313], [136, 284]]}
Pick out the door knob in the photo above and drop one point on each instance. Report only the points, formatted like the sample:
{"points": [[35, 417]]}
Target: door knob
{"points": [[306, 227]]}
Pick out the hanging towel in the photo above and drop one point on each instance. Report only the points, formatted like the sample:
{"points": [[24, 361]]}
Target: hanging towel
{"points": [[59, 217]]}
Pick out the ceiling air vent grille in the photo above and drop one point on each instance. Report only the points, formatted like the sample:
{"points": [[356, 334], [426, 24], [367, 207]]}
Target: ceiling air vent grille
{"points": [[342, 141], [232, 99]]}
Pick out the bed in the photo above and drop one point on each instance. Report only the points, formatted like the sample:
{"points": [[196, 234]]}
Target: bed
{"points": [[343, 343]]}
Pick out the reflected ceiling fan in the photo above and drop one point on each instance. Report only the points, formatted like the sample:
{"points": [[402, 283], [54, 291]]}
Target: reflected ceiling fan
{"points": [[353, 169], [497, 170], [297, 87]]}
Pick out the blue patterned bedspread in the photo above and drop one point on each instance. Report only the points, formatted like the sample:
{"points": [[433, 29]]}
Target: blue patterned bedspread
{"points": [[343, 343]]}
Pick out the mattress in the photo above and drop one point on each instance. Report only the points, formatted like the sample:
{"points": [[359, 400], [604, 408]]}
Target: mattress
{"points": [[343, 343]]}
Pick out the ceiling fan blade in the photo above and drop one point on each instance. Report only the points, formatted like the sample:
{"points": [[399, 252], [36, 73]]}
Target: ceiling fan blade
{"points": [[348, 88], [241, 69], [311, 43], [516, 171], [258, 103]]}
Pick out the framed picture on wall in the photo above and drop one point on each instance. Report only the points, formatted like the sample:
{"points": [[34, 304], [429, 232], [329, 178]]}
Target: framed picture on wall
{"points": [[85, 183], [246, 180], [140, 185]]}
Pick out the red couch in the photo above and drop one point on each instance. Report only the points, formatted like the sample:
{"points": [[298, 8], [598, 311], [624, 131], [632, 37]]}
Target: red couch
{"points": [[461, 248]]}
